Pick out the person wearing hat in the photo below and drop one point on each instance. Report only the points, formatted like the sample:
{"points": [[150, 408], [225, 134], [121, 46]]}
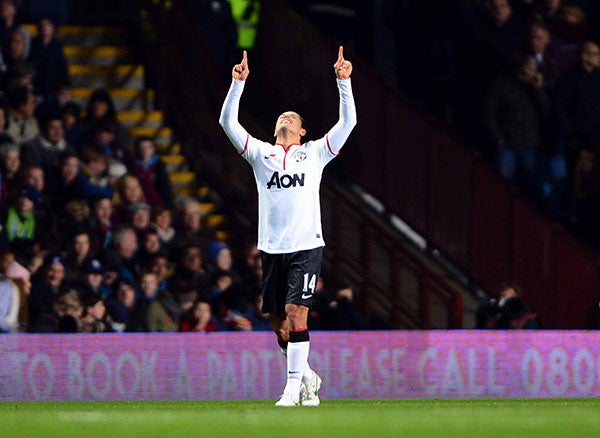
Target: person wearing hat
{"points": [[14, 289], [92, 272]]}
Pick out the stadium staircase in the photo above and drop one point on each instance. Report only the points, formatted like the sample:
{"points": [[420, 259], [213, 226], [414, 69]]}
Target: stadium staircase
{"points": [[101, 56]]}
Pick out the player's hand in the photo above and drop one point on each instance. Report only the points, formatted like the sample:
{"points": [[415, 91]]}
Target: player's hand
{"points": [[241, 71], [343, 68]]}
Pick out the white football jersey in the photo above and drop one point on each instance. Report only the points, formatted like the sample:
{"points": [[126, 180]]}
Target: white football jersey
{"points": [[289, 211]]}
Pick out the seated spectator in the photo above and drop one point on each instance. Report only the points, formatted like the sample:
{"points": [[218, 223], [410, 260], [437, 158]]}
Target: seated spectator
{"points": [[105, 141], [164, 314], [199, 319], [20, 219], [571, 23], [228, 318], [65, 185], [124, 253], [78, 252], [189, 269], [151, 172], [120, 305], [129, 191], [89, 280], [15, 287], [343, 313], [76, 216], [101, 109], [5, 138], [71, 116], [48, 58], [138, 317], [94, 175], [94, 318], [11, 171], [22, 125], [160, 265], [260, 321], [45, 290], [110, 279], [189, 225], [162, 221], [101, 224], [46, 149], [139, 218], [508, 311], [69, 311], [219, 258]]}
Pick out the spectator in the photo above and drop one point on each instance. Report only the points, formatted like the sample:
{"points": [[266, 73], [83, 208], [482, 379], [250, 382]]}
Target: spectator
{"points": [[571, 23], [5, 138], [46, 148], [151, 173], [161, 266], [125, 254], [120, 305], [343, 313], [9, 22], [45, 290], [65, 186], [79, 251], [162, 221], [22, 125], [219, 258], [90, 277], [508, 311], [164, 314], [94, 175], [578, 105], [151, 246], [554, 57], [101, 109], [199, 319], [190, 269], [105, 140], [110, 279], [516, 110], [20, 220], [48, 58], [190, 224], [10, 169], [101, 224], [14, 290], [71, 116], [17, 51], [94, 318], [228, 318], [129, 191], [586, 212], [260, 321], [76, 217], [69, 311], [139, 218], [138, 317]]}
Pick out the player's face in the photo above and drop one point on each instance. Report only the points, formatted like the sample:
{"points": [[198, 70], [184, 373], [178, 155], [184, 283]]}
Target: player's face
{"points": [[291, 122]]}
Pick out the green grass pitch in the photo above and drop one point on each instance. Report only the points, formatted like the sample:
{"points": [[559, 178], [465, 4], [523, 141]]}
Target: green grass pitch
{"points": [[334, 418]]}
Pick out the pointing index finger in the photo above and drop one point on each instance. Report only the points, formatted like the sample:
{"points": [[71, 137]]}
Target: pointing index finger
{"points": [[341, 53], [245, 57]]}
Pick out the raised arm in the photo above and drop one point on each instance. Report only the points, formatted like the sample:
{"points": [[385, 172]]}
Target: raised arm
{"points": [[229, 112], [337, 136]]}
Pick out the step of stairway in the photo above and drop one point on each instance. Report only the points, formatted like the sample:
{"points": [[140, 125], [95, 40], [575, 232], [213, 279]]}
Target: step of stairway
{"points": [[161, 136], [147, 119], [174, 163], [180, 179], [100, 55], [86, 35], [124, 98], [98, 76]]}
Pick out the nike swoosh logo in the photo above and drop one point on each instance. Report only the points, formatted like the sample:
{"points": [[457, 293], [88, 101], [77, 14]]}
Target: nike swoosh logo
{"points": [[306, 296]]}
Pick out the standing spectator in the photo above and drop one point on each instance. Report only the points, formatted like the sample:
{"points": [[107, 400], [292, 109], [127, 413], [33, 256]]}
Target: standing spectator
{"points": [[578, 105], [22, 125], [48, 58], [516, 109], [151, 173]]}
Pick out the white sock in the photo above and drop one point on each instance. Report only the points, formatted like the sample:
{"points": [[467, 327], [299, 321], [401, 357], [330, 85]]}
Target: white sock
{"points": [[297, 359], [308, 372]]}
